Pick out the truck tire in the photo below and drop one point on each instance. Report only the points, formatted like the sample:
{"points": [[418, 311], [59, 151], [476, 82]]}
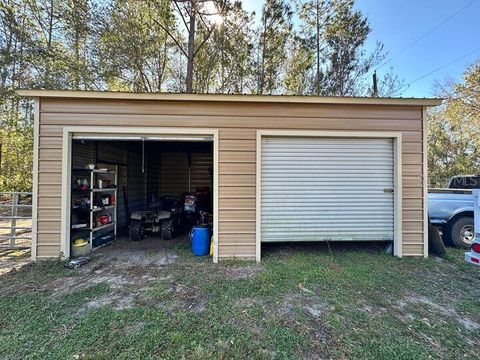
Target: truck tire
{"points": [[137, 231], [461, 232], [166, 231], [435, 243]]}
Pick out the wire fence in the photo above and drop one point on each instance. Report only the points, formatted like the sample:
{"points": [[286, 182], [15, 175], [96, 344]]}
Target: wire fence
{"points": [[15, 220]]}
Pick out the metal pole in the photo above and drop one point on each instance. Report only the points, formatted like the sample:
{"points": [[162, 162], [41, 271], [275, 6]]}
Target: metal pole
{"points": [[13, 230], [143, 155]]}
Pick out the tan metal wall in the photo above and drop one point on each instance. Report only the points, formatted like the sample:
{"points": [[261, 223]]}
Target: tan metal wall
{"points": [[237, 123]]}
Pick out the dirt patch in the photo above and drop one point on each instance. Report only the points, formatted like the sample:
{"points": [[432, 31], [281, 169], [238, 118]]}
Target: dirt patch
{"points": [[134, 328], [149, 252], [317, 310], [128, 270], [187, 299], [246, 302], [116, 301], [292, 313], [13, 260], [443, 309], [241, 272]]}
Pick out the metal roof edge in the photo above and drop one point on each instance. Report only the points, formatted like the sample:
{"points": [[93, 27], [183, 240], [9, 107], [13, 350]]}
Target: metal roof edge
{"points": [[81, 94]]}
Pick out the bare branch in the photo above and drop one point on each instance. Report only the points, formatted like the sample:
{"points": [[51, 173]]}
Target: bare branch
{"points": [[204, 41], [171, 37], [181, 14]]}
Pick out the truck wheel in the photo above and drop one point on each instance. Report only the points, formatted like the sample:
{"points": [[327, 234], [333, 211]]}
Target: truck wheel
{"points": [[435, 243], [137, 231], [462, 232], [166, 231]]}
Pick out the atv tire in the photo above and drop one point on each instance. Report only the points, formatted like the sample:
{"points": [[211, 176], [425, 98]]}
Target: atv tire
{"points": [[166, 231], [137, 230]]}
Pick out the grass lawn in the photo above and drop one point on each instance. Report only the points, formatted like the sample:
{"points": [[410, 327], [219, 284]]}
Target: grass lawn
{"points": [[301, 302]]}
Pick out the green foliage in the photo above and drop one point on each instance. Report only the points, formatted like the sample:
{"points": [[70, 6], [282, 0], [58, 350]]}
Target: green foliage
{"points": [[16, 158], [335, 33], [454, 131], [299, 64], [275, 27], [132, 49], [225, 64], [345, 35]]}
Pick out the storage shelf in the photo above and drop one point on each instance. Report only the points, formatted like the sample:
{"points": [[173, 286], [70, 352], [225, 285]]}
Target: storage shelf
{"points": [[95, 171], [84, 208], [86, 191], [103, 208], [104, 190], [94, 190], [81, 228], [103, 226], [91, 211]]}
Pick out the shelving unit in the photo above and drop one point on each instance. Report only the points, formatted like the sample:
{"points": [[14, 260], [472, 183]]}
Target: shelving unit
{"points": [[91, 200]]}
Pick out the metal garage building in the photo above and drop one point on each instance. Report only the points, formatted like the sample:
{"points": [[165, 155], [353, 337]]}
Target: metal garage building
{"points": [[285, 168]]}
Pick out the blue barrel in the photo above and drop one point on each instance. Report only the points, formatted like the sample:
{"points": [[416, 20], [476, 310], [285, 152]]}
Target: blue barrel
{"points": [[201, 240]]}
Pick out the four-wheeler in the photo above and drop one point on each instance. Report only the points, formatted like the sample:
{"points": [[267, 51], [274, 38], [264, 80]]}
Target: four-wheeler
{"points": [[162, 217]]}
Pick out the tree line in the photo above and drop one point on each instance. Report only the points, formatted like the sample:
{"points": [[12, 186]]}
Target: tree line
{"points": [[454, 129], [302, 47], [216, 46]]}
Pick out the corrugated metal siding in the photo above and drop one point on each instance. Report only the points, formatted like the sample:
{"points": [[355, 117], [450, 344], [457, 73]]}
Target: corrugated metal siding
{"points": [[82, 154], [136, 179], [201, 172], [122, 211], [174, 177], [112, 152], [320, 189], [237, 122], [174, 173], [153, 168]]}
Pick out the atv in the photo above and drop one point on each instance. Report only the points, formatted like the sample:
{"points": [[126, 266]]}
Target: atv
{"points": [[162, 217]]}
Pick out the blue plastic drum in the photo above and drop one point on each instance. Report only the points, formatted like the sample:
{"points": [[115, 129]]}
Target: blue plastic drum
{"points": [[201, 240]]}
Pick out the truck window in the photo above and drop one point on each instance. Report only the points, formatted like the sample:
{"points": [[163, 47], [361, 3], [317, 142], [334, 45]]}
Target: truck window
{"points": [[465, 182]]}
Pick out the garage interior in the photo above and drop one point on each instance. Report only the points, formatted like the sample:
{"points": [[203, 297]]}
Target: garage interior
{"points": [[136, 173]]}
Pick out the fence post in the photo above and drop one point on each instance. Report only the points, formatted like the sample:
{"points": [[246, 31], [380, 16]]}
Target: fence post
{"points": [[13, 230]]}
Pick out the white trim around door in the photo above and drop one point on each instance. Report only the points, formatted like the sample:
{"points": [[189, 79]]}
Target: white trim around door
{"points": [[112, 131], [397, 149]]}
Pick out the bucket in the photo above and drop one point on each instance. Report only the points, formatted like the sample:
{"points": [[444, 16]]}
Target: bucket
{"points": [[201, 240], [80, 248]]}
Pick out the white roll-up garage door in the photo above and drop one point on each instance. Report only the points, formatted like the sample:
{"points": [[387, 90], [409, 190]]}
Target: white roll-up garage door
{"points": [[319, 189]]}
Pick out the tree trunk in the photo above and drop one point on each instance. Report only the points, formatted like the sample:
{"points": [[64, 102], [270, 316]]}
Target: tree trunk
{"points": [[262, 69], [191, 50], [47, 82], [317, 82]]}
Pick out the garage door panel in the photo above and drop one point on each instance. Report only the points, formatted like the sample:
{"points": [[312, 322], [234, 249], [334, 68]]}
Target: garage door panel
{"points": [[320, 189]]}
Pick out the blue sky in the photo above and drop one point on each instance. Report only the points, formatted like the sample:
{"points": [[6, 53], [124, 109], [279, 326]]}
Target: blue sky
{"points": [[399, 23]]}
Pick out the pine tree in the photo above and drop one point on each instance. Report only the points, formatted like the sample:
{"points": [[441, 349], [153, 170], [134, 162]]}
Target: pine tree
{"points": [[275, 28]]}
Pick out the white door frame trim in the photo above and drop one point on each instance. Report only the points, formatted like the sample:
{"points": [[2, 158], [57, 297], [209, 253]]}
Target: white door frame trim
{"points": [[397, 149], [36, 141], [131, 130]]}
